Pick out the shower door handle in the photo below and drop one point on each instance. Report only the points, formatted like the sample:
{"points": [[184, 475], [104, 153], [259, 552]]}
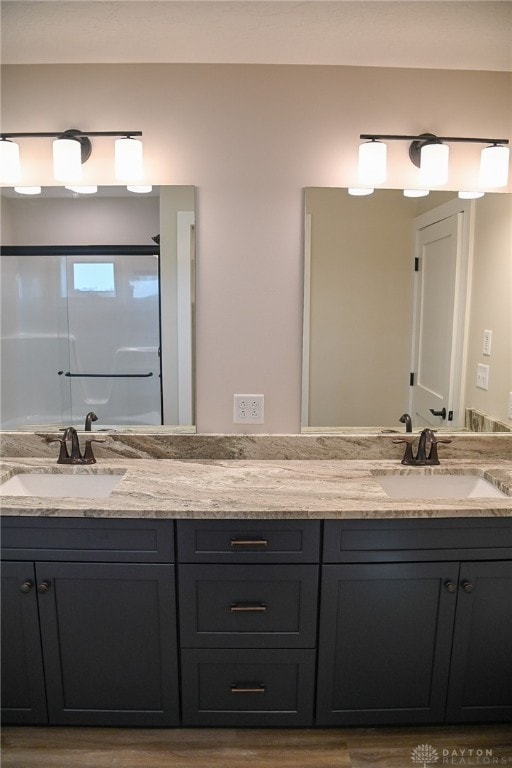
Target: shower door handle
{"points": [[106, 375]]}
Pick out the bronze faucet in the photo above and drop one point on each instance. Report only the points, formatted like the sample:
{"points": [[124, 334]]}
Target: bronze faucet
{"points": [[76, 456], [406, 419], [91, 416], [426, 455]]}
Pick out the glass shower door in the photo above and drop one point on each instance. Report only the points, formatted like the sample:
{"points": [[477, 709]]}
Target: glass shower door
{"points": [[114, 338]]}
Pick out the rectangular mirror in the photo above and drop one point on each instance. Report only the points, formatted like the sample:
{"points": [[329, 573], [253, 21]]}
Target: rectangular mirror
{"points": [[381, 339], [98, 305]]}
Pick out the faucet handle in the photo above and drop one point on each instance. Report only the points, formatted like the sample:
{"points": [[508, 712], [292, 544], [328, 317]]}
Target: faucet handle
{"points": [[88, 457], [433, 457], [63, 452], [408, 457]]}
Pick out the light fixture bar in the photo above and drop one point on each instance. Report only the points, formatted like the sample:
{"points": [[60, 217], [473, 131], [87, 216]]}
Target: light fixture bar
{"points": [[76, 134], [422, 137]]}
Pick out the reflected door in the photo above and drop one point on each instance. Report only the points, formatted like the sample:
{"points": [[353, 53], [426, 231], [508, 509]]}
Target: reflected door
{"points": [[437, 335], [114, 338]]}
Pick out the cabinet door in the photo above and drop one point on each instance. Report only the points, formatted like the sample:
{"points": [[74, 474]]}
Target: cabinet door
{"points": [[23, 693], [385, 642], [481, 673], [109, 643]]}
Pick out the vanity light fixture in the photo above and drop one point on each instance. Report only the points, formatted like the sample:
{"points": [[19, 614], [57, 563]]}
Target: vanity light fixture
{"points": [[430, 153], [71, 149]]}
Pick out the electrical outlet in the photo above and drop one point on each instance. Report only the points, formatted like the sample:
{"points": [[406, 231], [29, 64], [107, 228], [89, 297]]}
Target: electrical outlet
{"points": [[487, 343], [248, 409], [482, 376]]}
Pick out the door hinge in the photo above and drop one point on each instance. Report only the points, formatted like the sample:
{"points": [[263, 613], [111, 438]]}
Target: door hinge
{"points": [[411, 379], [416, 263]]}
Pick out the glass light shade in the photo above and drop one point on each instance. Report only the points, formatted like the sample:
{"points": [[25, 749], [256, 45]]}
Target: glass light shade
{"points": [[372, 162], [141, 189], [494, 166], [67, 160], [10, 169], [28, 190], [360, 191], [470, 195], [416, 192], [84, 189], [434, 164], [129, 164]]}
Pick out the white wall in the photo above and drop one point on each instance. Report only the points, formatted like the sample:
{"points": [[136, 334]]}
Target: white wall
{"points": [[250, 138], [81, 221], [491, 306]]}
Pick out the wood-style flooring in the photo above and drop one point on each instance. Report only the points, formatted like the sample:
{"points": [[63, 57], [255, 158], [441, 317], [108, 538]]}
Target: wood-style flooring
{"points": [[239, 748]]}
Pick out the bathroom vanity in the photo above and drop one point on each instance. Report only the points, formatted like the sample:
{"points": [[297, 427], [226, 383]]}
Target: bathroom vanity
{"points": [[257, 593]]}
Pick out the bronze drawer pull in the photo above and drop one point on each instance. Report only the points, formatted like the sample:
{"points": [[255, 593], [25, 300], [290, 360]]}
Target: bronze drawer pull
{"points": [[249, 542], [248, 689], [247, 607]]}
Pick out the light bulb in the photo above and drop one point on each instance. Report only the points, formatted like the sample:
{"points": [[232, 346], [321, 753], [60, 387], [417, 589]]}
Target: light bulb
{"points": [[10, 170], [494, 162], [470, 195], [360, 191], [128, 159], [416, 192], [84, 189], [28, 190], [141, 189], [434, 164], [67, 160], [372, 162]]}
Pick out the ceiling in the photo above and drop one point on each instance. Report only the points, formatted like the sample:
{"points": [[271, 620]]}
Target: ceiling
{"points": [[433, 34]]}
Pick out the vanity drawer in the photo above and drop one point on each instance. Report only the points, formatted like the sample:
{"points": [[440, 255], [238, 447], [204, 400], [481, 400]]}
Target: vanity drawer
{"points": [[421, 539], [248, 606], [248, 688], [248, 541], [87, 540]]}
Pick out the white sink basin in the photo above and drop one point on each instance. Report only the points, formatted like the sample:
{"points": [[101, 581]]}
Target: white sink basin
{"points": [[438, 487], [60, 485]]}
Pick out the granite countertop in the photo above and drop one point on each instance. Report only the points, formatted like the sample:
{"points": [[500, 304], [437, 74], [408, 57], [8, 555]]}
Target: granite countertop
{"points": [[199, 488]]}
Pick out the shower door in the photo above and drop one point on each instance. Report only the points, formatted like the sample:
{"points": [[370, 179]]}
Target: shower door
{"points": [[81, 332], [114, 337]]}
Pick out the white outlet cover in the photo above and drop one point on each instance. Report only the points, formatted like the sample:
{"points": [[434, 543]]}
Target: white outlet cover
{"points": [[482, 376], [248, 409]]}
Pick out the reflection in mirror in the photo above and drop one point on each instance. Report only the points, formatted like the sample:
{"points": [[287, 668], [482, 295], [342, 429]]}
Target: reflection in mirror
{"points": [[370, 320], [107, 327]]}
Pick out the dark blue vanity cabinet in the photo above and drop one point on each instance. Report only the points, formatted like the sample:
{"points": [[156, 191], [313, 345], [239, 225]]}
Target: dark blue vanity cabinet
{"points": [[89, 622], [416, 622], [248, 595], [275, 622]]}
